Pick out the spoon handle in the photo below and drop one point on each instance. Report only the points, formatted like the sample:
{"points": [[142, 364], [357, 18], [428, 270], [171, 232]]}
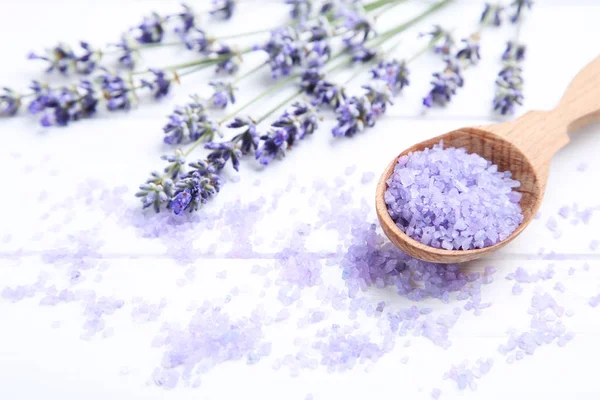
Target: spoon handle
{"points": [[580, 105], [540, 134]]}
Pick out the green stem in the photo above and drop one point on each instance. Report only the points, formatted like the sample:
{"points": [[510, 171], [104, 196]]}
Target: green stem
{"points": [[194, 69], [278, 106], [379, 3], [393, 32], [247, 74], [260, 96]]}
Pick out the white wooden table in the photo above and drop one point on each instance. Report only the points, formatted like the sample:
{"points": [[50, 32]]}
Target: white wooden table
{"points": [[41, 352]]}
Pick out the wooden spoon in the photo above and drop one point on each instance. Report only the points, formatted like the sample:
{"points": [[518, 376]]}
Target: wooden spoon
{"points": [[524, 147]]}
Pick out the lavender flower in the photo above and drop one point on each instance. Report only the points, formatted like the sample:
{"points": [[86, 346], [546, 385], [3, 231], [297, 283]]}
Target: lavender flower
{"points": [[285, 50], [223, 8], [249, 138], [223, 94], [509, 84], [492, 14], [359, 28], [271, 146], [514, 52], [470, 51], [61, 106], [186, 18], [150, 30], [394, 73], [362, 53], [223, 152], [60, 57], [195, 187], [352, 116], [160, 85], [317, 53], [300, 9], [231, 62], [129, 54], [310, 78], [184, 123], [120, 94], [87, 62], [519, 6], [197, 40], [10, 102], [327, 93], [445, 85], [437, 33], [509, 93], [158, 189], [297, 121]]}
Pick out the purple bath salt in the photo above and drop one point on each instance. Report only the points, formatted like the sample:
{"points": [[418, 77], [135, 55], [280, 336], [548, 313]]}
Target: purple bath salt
{"points": [[449, 199]]}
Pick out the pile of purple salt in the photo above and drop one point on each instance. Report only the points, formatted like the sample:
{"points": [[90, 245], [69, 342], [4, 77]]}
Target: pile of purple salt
{"points": [[449, 199]]}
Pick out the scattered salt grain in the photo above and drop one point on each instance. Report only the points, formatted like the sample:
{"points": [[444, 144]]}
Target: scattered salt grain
{"points": [[367, 177], [436, 197], [350, 170], [435, 393], [564, 212], [465, 376], [516, 289], [559, 287], [222, 274], [594, 245], [582, 167]]}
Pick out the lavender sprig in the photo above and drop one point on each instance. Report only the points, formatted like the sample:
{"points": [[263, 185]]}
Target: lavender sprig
{"points": [[445, 47], [445, 85], [223, 8], [223, 94], [63, 59], [300, 9], [509, 84], [519, 6], [10, 102], [492, 14]]}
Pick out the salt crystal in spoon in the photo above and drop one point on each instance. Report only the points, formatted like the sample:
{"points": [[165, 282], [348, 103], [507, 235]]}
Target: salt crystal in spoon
{"points": [[524, 147]]}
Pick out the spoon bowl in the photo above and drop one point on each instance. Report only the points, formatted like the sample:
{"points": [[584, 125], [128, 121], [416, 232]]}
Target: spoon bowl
{"points": [[524, 147]]}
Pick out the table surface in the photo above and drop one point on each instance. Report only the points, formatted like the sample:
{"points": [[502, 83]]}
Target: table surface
{"points": [[70, 191]]}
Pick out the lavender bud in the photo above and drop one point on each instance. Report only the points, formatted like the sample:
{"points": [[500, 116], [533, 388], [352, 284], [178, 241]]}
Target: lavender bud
{"points": [[223, 8], [223, 94], [10, 102]]}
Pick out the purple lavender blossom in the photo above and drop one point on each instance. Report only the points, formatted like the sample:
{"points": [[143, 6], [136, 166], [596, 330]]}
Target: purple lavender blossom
{"points": [[492, 14], [318, 53], [272, 145], [310, 78], [195, 187], [186, 18], [359, 28], [87, 62], [438, 32], [223, 94], [184, 123], [361, 53], [327, 93], [300, 9], [60, 57], [470, 51], [298, 121], [129, 54], [158, 189], [514, 52], [509, 86], [160, 85], [519, 6], [10, 102], [445, 85], [231, 62], [394, 73], [223, 8], [150, 30], [249, 138], [61, 106], [352, 116], [196, 40], [223, 152], [117, 91], [284, 49]]}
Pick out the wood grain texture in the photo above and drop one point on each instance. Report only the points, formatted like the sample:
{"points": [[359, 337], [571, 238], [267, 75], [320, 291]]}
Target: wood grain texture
{"points": [[524, 146]]}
